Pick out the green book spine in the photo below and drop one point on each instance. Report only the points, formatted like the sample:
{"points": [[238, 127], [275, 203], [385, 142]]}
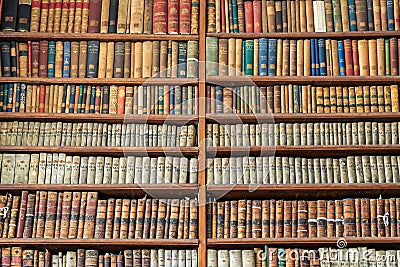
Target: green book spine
{"points": [[248, 57], [235, 16], [337, 17], [387, 57], [212, 56]]}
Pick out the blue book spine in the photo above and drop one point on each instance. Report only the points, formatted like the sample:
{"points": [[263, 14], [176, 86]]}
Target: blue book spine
{"points": [[235, 16], [13, 59], [72, 98], [316, 57], [5, 97], [263, 57], [390, 15], [352, 15], [312, 46], [272, 57], [243, 56], [5, 59], [64, 99], [219, 97], [22, 97], [322, 57], [342, 63], [92, 99], [67, 59], [17, 102], [172, 100], [1, 97], [249, 57], [51, 59], [182, 56], [10, 93], [370, 15], [92, 59]]}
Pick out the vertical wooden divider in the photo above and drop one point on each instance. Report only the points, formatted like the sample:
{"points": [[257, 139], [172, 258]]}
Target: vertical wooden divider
{"points": [[202, 251]]}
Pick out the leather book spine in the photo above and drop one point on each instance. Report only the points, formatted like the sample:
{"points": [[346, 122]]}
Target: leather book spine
{"points": [[126, 203], [90, 215], [312, 219], [57, 227], [9, 16], [51, 210], [174, 219], [160, 11], [65, 214], [24, 15], [85, 16], [22, 213], [43, 56], [30, 209], [109, 218], [100, 219], [140, 218], [357, 205], [94, 16], [349, 217], [35, 15], [302, 222], [81, 217]]}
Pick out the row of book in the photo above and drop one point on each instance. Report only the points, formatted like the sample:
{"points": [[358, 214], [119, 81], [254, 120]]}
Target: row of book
{"points": [[84, 215], [289, 257], [302, 16], [59, 168], [95, 59], [19, 133], [108, 16], [75, 98], [302, 99], [301, 218], [303, 134], [297, 170], [93, 257], [310, 57]]}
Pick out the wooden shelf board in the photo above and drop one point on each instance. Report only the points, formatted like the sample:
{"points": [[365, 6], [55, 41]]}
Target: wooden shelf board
{"points": [[114, 190], [303, 242], [303, 191], [100, 151], [101, 81], [101, 118], [93, 243], [304, 151], [301, 117], [37, 36], [234, 81], [309, 35]]}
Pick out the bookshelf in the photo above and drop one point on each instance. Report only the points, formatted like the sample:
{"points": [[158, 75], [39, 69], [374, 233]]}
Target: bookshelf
{"points": [[201, 190]]}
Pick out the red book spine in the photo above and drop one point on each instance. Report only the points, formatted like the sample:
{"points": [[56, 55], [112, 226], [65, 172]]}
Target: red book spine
{"points": [[248, 16], [5, 257], [42, 96], [160, 16], [257, 16], [94, 16], [22, 214], [97, 100], [393, 57], [348, 57], [208, 92], [35, 59], [356, 64], [43, 47], [184, 16], [173, 16], [121, 100], [29, 59], [223, 25]]}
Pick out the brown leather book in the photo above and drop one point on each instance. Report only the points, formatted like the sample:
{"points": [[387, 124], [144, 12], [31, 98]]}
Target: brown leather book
{"points": [[248, 219], [126, 203], [357, 205], [100, 218], [44, 13], [22, 213], [109, 218], [117, 218], [43, 56], [57, 226], [36, 214], [241, 219], [321, 218], [30, 210], [193, 216], [41, 215], [127, 59], [140, 218], [349, 217], [361, 15], [181, 219], [174, 219], [74, 217], [220, 219], [233, 225], [83, 46], [81, 217], [161, 213], [279, 219], [65, 214], [302, 218], [287, 218], [312, 218], [167, 218], [387, 219], [392, 217], [51, 212], [16, 256]]}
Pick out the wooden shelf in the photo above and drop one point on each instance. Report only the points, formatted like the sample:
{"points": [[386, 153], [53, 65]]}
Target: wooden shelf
{"points": [[101, 81], [309, 35], [234, 81], [103, 151], [301, 117], [304, 242], [303, 191], [114, 190], [101, 118], [304, 151], [102, 244], [110, 37]]}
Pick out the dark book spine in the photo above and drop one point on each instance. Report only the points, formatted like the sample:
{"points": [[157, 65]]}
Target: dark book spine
{"points": [[92, 59], [9, 16], [105, 100], [113, 16], [51, 59], [94, 16], [30, 210], [24, 15], [5, 59], [182, 59], [14, 59], [22, 214], [119, 58]]}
